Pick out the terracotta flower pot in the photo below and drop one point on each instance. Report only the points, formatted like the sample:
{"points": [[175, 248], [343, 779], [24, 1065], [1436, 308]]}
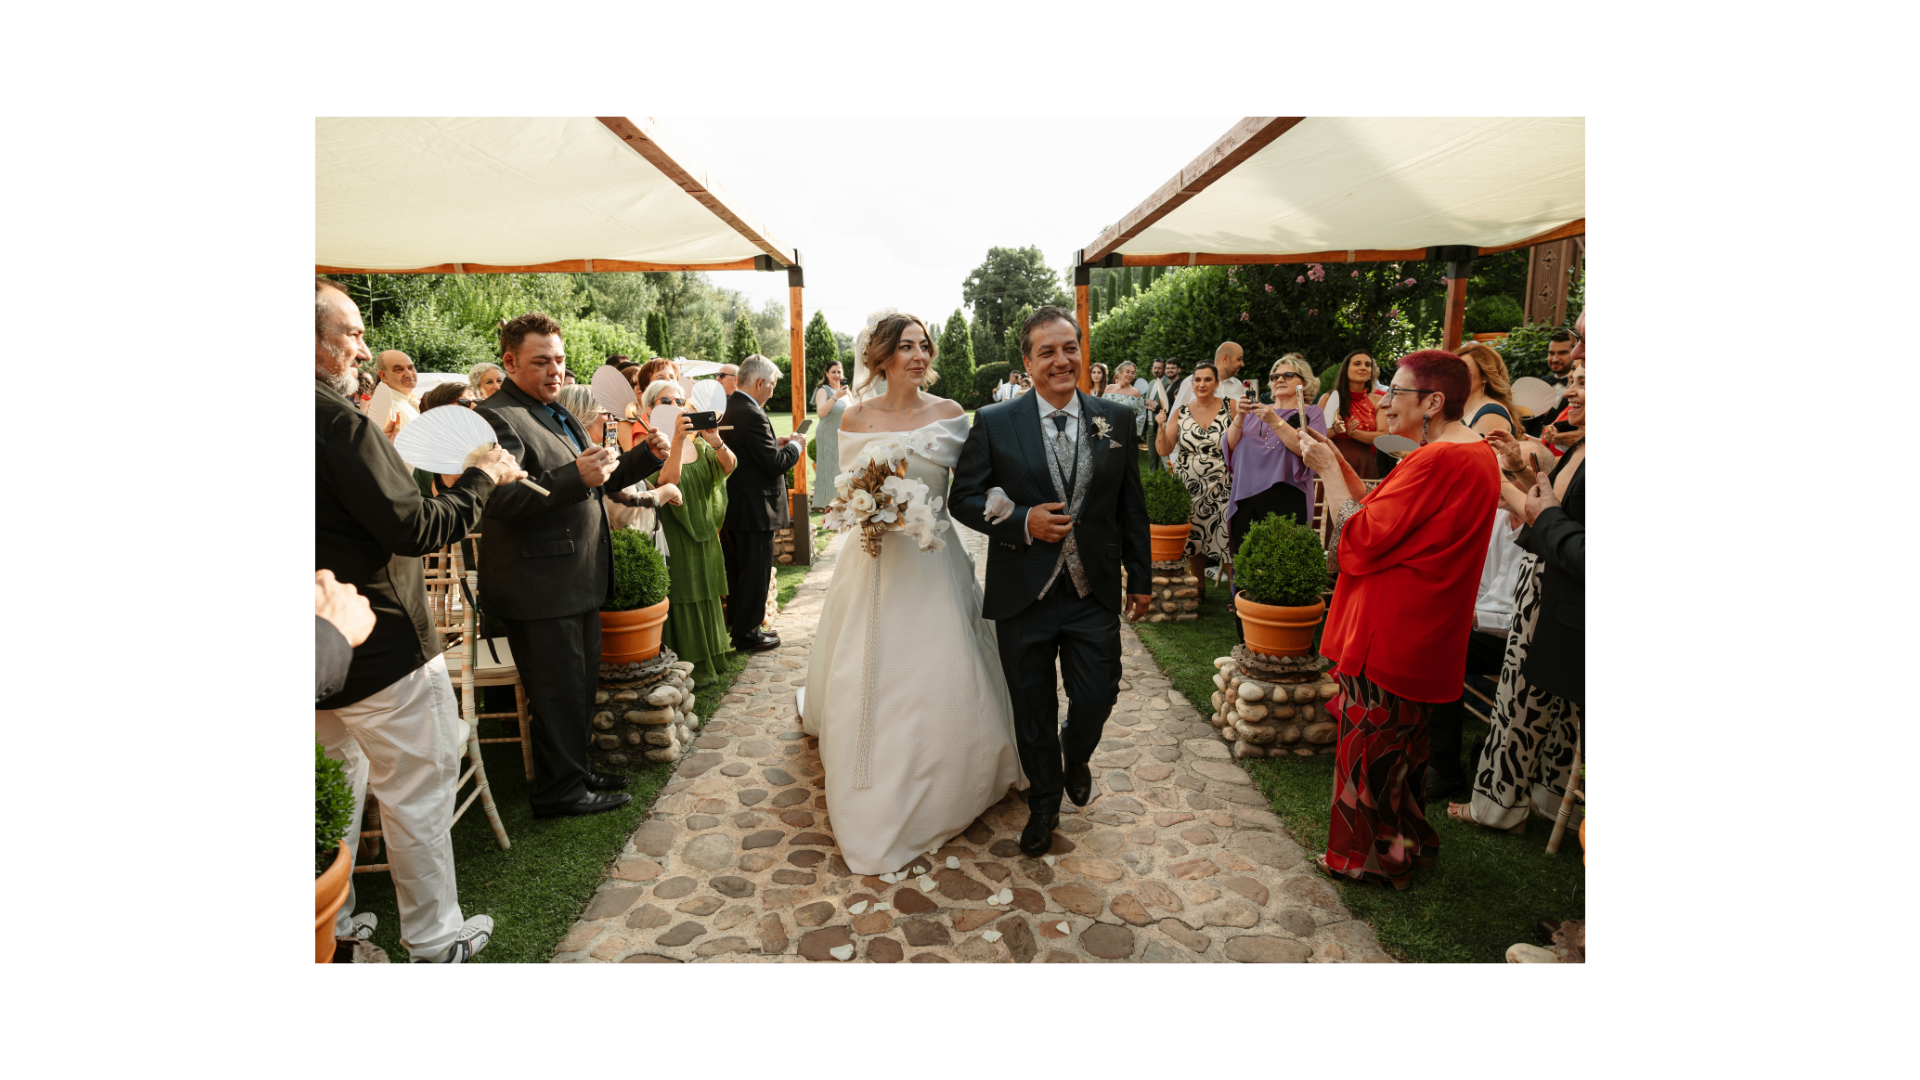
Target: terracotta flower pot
{"points": [[329, 892], [626, 636], [1169, 543], [1273, 630]]}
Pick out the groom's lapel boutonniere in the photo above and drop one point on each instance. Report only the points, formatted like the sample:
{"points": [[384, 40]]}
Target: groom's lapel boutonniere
{"points": [[1102, 427]]}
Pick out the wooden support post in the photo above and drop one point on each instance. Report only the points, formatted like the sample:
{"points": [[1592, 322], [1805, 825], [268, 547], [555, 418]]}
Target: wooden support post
{"points": [[1082, 279], [1549, 269], [801, 498], [1456, 318]]}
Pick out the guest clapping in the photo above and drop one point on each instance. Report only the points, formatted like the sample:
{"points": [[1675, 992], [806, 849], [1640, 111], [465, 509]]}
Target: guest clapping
{"points": [[1538, 708], [1357, 422], [696, 627], [1262, 447], [1409, 554], [830, 401], [1196, 430]]}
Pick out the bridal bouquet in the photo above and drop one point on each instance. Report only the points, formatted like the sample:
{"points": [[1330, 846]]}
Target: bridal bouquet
{"points": [[875, 496]]}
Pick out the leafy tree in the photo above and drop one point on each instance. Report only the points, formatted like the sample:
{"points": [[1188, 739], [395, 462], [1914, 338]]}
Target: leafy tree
{"points": [[709, 338], [432, 338], [590, 341], [955, 361], [743, 342], [820, 348], [1009, 279]]}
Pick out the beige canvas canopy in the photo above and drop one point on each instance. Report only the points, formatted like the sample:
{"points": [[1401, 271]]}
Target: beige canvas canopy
{"points": [[1289, 189], [478, 195]]}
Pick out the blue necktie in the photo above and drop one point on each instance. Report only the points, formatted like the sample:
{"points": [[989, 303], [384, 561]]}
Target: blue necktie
{"points": [[566, 429]]}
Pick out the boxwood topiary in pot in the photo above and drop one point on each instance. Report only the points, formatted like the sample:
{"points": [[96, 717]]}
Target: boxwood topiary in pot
{"points": [[1169, 515], [636, 610], [1279, 575], [332, 867], [639, 573]]}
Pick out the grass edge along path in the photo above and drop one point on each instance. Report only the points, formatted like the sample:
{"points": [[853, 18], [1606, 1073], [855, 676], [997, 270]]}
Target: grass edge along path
{"points": [[535, 890], [1487, 889]]}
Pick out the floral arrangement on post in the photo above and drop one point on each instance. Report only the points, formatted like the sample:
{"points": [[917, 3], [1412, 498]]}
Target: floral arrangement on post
{"points": [[875, 496]]}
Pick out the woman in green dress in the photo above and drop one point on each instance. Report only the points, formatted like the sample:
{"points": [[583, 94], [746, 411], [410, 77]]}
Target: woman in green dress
{"points": [[698, 464]]}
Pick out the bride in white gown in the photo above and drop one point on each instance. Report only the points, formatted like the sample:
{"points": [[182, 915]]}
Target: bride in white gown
{"points": [[904, 688]]}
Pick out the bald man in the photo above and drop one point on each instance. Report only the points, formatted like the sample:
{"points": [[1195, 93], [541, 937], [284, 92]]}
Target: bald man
{"points": [[1227, 358], [396, 370]]}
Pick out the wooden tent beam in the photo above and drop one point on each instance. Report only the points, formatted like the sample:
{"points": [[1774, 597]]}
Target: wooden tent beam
{"points": [[565, 266], [1565, 232], [1242, 141], [641, 138], [800, 499], [1202, 258]]}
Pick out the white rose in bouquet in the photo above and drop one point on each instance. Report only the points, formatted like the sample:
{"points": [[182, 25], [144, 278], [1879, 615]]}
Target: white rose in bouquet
{"points": [[862, 502]]}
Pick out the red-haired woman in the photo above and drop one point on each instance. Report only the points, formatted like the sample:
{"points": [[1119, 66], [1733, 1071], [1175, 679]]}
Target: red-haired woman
{"points": [[1410, 555]]}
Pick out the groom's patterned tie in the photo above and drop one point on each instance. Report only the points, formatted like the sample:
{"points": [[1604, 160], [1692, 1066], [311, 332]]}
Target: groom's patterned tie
{"points": [[1071, 451]]}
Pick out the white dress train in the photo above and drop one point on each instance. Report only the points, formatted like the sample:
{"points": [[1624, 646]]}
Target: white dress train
{"points": [[906, 629]]}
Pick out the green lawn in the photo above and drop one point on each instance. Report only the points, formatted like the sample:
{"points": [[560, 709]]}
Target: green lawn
{"points": [[535, 889], [1488, 887]]}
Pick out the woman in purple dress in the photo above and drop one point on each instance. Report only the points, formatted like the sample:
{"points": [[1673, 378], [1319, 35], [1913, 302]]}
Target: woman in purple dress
{"points": [[1262, 448]]}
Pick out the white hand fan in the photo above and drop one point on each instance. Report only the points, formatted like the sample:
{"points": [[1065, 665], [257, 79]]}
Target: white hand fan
{"points": [[1536, 396], [447, 441], [694, 369], [612, 390], [1333, 405], [1395, 444], [380, 407]]}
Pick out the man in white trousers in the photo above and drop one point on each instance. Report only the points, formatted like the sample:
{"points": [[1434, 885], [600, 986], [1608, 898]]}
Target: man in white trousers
{"points": [[392, 719]]}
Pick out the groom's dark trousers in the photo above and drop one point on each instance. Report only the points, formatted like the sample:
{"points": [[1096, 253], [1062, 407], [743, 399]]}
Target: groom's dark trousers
{"points": [[1037, 628]]}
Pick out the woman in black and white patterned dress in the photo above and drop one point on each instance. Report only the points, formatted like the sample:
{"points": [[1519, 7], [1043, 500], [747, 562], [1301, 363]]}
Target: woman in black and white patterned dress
{"points": [[1197, 430]]}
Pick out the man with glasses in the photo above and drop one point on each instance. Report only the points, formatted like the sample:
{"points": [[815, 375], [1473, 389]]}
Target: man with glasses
{"points": [[546, 564]]}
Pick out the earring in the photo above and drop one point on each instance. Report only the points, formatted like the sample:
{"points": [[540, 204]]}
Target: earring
{"points": [[1423, 431]]}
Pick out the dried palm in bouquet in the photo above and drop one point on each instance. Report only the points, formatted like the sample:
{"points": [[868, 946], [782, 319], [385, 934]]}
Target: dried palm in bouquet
{"points": [[875, 496]]}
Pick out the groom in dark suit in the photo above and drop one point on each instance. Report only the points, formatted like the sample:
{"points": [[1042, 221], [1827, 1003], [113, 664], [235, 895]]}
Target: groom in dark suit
{"points": [[1053, 478]]}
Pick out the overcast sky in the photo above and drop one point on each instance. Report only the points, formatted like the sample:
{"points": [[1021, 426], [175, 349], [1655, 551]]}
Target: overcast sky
{"points": [[896, 212]]}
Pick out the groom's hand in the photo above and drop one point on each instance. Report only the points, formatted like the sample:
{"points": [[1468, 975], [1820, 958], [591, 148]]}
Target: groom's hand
{"points": [[1137, 605], [1044, 524]]}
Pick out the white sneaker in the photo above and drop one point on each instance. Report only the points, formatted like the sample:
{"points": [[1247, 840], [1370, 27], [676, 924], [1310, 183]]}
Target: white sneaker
{"points": [[363, 925], [473, 936]]}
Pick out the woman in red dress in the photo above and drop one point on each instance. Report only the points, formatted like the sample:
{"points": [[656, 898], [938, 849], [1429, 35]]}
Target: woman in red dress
{"points": [[1356, 424], [1409, 556]]}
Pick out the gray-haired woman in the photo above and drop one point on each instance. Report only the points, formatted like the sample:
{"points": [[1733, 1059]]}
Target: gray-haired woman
{"points": [[485, 379]]}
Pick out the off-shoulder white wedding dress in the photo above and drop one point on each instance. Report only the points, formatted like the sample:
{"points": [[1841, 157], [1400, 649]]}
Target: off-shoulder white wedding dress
{"points": [[904, 689]]}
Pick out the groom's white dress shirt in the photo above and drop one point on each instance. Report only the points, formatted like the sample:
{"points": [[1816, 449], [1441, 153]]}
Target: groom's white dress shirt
{"points": [[1049, 431]]}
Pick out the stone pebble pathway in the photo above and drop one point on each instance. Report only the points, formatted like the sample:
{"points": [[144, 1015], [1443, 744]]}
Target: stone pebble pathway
{"points": [[1177, 859]]}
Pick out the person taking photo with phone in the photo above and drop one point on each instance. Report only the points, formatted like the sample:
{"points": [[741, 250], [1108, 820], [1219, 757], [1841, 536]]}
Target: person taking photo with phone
{"points": [[1263, 452], [698, 464]]}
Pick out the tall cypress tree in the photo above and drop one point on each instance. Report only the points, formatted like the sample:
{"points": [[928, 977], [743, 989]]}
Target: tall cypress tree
{"points": [[822, 350], [742, 343], [955, 362], [985, 349]]}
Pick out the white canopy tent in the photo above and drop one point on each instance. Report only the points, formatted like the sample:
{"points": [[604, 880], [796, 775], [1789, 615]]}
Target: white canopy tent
{"points": [[533, 195], [1339, 189]]}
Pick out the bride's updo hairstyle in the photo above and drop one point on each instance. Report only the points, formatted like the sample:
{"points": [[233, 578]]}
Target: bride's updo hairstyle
{"points": [[879, 339]]}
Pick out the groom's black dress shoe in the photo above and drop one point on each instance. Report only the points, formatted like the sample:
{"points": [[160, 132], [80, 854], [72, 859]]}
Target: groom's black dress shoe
{"points": [[1079, 784], [1037, 837], [599, 781], [593, 802], [758, 641]]}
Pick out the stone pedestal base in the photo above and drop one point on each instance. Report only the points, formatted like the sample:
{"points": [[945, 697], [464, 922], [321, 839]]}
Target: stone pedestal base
{"points": [[1176, 594], [1268, 707], [783, 546], [643, 713]]}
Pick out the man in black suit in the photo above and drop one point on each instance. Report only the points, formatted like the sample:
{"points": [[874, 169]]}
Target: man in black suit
{"points": [[756, 501], [546, 561], [390, 716], [1053, 478]]}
